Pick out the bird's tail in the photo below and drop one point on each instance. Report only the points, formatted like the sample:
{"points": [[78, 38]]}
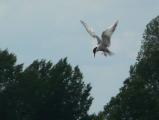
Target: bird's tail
{"points": [[109, 52]]}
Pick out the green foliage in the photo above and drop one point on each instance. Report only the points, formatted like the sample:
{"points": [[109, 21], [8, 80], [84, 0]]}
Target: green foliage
{"points": [[100, 116], [139, 97], [42, 91]]}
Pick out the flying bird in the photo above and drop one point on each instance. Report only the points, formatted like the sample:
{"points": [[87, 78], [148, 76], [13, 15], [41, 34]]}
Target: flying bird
{"points": [[104, 41]]}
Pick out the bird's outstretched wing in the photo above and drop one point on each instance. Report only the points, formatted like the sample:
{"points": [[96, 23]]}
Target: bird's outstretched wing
{"points": [[90, 31], [106, 35]]}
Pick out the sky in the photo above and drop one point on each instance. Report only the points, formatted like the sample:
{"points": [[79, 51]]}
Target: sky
{"points": [[51, 29]]}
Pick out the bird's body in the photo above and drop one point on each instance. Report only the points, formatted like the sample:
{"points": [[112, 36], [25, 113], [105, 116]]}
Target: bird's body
{"points": [[104, 42]]}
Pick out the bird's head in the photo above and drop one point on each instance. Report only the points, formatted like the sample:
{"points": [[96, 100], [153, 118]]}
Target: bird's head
{"points": [[94, 51]]}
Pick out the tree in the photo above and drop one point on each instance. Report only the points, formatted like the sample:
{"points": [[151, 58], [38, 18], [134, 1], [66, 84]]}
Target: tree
{"points": [[42, 91], [139, 97], [8, 75]]}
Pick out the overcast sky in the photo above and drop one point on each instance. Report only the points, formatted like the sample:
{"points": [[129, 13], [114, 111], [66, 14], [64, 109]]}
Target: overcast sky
{"points": [[51, 29]]}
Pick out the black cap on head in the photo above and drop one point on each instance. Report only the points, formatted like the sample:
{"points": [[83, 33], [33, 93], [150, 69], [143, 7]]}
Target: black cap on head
{"points": [[94, 51]]}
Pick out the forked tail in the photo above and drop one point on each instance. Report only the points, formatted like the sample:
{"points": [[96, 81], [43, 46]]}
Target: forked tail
{"points": [[109, 52]]}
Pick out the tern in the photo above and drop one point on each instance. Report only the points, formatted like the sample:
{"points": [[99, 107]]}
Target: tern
{"points": [[104, 42]]}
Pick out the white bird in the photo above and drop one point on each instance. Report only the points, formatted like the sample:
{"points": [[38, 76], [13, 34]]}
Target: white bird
{"points": [[104, 42]]}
